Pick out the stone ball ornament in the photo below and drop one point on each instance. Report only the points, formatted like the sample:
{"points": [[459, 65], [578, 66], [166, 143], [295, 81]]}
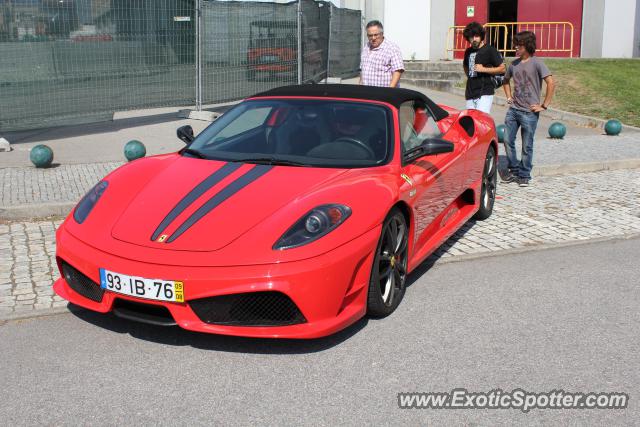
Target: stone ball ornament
{"points": [[557, 130], [500, 131], [134, 149], [613, 127], [41, 156]]}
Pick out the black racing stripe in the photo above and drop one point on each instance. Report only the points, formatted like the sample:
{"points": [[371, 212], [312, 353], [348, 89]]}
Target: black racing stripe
{"points": [[194, 194], [223, 195]]}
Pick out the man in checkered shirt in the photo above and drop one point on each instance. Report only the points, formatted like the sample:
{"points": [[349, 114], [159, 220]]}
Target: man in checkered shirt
{"points": [[381, 60]]}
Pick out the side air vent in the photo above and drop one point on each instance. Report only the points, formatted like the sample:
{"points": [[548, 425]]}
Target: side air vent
{"points": [[468, 125]]}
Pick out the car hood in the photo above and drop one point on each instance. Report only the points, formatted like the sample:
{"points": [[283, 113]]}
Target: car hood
{"points": [[202, 205]]}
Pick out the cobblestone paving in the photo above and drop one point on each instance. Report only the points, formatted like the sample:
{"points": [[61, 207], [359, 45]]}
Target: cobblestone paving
{"points": [[584, 148], [553, 210], [64, 183]]}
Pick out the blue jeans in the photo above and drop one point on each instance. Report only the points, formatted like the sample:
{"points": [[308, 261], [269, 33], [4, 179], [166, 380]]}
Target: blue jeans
{"points": [[527, 121]]}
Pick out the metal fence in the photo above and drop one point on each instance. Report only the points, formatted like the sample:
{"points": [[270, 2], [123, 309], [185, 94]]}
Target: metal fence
{"points": [[553, 38], [74, 61]]}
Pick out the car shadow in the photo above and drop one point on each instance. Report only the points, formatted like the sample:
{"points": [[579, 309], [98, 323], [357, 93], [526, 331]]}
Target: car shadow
{"points": [[176, 336], [426, 265]]}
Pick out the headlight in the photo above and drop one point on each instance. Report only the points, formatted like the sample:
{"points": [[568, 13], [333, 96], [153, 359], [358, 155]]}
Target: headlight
{"points": [[315, 224], [87, 203]]}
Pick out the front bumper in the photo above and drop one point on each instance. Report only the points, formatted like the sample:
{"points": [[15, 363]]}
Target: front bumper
{"points": [[330, 290]]}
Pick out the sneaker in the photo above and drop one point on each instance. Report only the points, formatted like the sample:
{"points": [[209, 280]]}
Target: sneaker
{"points": [[507, 176], [523, 182]]}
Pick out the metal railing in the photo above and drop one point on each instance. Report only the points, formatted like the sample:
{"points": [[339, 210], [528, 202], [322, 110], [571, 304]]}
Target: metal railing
{"points": [[551, 37]]}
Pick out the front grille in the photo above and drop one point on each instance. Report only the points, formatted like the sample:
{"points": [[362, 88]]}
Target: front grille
{"points": [[81, 283], [250, 309]]}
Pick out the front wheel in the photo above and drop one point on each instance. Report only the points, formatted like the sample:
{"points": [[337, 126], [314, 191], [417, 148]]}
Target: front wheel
{"points": [[389, 270], [489, 184]]}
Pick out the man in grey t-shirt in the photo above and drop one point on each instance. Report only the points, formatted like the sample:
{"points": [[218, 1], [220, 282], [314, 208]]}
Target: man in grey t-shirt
{"points": [[527, 73]]}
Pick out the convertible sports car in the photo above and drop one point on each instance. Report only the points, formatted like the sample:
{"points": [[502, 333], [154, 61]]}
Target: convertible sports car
{"points": [[296, 213]]}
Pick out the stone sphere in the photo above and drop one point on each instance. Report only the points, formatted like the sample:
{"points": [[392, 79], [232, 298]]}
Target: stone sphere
{"points": [[41, 156], [500, 130], [557, 130], [134, 149], [613, 127]]}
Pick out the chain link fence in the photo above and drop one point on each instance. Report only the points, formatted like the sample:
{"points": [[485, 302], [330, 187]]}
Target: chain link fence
{"points": [[344, 42], [76, 61]]}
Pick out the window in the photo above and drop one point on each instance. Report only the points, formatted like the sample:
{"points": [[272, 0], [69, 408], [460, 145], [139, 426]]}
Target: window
{"points": [[416, 125], [323, 133], [246, 121]]}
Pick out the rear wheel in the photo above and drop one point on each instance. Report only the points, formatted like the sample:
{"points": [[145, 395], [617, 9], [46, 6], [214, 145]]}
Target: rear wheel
{"points": [[389, 270], [489, 185]]}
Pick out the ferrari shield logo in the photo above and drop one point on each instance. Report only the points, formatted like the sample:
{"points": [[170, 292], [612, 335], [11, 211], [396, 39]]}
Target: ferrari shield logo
{"points": [[162, 238]]}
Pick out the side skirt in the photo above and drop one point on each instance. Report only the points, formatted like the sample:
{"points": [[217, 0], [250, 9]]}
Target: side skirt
{"points": [[446, 224]]}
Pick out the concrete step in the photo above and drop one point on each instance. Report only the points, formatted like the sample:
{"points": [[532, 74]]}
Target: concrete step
{"points": [[434, 75], [433, 65], [441, 85]]}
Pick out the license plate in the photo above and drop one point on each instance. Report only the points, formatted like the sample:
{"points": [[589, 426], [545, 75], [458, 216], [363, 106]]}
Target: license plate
{"points": [[141, 287], [270, 58]]}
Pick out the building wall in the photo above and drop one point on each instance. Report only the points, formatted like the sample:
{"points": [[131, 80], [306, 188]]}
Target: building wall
{"points": [[619, 29], [406, 23], [442, 17], [555, 11], [636, 37], [592, 28]]}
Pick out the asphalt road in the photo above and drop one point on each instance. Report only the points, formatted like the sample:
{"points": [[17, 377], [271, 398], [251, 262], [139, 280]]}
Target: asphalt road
{"points": [[565, 318]]}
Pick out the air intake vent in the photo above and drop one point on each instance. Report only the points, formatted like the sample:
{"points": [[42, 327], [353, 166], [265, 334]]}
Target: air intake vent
{"points": [[81, 283], [249, 309]]}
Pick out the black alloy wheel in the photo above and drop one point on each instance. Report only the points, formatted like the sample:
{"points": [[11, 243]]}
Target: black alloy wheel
{"points": [[389, 270], [489, 185]]}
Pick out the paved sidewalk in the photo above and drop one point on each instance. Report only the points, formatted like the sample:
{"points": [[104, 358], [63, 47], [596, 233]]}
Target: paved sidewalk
{"points": [[555, 210]]}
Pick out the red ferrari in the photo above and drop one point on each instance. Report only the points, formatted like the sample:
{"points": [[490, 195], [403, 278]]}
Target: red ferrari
{"points": [[296, 213]]}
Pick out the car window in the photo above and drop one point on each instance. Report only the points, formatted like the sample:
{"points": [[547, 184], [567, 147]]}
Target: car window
{"points": [[416, 125], [324, 133], [249, 119]]}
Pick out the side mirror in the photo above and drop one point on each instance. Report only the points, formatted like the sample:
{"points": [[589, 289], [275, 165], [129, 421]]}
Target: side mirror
{"points": [[429, 147], [185, 133]]}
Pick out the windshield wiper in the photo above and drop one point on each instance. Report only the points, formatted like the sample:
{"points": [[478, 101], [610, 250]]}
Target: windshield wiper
{"points": [[193, 152], [270, 161]]}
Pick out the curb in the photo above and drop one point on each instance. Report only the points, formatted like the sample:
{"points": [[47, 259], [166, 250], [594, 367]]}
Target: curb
{"points": [[421, 269], [35, 313], [36, 210], [573, 168], [532, 248], [62, 209]]}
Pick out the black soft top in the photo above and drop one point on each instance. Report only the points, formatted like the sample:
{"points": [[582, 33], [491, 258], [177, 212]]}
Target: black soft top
{"points": [[393, 96]]}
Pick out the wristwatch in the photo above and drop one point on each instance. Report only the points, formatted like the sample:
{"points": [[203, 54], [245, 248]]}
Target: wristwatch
{"points": [[544, 107]]}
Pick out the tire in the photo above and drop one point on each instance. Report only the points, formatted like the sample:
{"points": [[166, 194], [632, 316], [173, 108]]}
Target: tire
{"points": [[489, 184], [389, 269]]}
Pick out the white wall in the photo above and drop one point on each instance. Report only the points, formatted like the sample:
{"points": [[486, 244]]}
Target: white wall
{"points": [[619, 28], [406, 23], [592, 28], [442, 17]]}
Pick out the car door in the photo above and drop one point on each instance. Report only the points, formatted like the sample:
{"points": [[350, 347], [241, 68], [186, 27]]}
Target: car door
{"points": [[434, 181]]}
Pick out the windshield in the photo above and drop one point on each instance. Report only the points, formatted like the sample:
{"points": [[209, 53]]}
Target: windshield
{"points": [[300, 133]]}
